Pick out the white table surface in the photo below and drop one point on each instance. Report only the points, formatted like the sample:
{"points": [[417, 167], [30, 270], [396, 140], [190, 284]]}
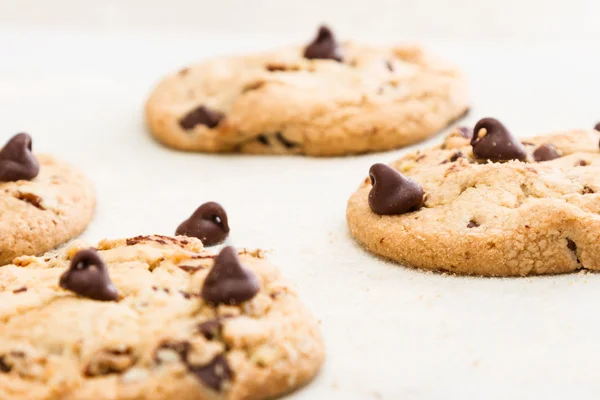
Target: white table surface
{"points": [[391, 332]]}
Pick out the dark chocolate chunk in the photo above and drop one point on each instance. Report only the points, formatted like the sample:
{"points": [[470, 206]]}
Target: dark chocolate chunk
{"points": [[587, 190], [545, 152], [498, 144], [88, 277], [17, 162], [263, 139], [228, 282], [456, 156], [214, 374], [571, 245], [210, 328], [324, 46], [472, 224], [4, 367], [392, 192], [284, 141], [597, 126], [201, 115], [208, 223]]}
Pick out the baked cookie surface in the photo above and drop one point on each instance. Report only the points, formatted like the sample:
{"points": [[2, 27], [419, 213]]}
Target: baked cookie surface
{"points": [[540, 215], [41, 210], [324, 99], [159, 322]]}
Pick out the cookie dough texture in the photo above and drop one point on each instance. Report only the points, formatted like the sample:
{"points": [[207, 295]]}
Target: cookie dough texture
{"points": [[283, 103], [56, 345], [40, 214], [494, 219]]}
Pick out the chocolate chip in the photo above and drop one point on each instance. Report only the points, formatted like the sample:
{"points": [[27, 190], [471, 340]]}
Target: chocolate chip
{"points": [[392, 192], [324, 46], [208, 223], [465, 132], [497, 144], [214, 374], [472, 224], [581, 163], [597, 126], [211, 328], [263, 139], [587, 190], [228, 282], [191, 268], [284, 141], [17, 162], [201, 115], [571, 245], [88, 277], [456, 156], [545, 152], [4, 367], [20, 290]]}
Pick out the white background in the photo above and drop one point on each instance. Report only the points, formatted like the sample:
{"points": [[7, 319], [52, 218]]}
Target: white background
{"points": [[75, 75]]}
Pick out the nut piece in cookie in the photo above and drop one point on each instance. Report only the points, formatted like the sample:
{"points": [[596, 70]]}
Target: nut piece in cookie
{"points": [[228, 282], [392, 192], [324, 46], [17, 162], [208, 223], [88, 277], [492, 141]]}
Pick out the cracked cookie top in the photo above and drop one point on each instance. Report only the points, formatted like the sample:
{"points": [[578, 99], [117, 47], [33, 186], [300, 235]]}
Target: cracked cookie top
{"points": [[42, 210], [322, 99], [538, 214], [177, 322]]}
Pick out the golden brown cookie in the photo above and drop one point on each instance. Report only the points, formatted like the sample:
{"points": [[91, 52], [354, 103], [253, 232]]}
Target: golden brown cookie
{"points": [[484, 212], [152, 318], [322, 99], [43, 202]]}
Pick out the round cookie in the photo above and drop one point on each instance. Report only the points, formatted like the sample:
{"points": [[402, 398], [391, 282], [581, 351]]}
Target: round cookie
{"points": [[43, 201], [152, 318], [324, 99], [493, 218]]}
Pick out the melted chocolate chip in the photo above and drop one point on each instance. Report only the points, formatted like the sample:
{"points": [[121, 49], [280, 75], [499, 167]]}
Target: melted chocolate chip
{"points": [[571, 245], [88, 277], [208, 223], [214, 374], [4, 367], [324, 46], [285, 142], [263, 139], [465, 132], [201, 115], [211, 328], [472, 224], [17, 162], [228, 282], [456, 156], [498, 144], [587, 190], [545, 152], [392, 192]]}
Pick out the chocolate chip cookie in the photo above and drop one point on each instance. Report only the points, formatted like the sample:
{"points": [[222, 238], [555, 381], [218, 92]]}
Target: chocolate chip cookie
{"points": [[326, 98], [43, 202], [487, 203], [152, 318]]}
